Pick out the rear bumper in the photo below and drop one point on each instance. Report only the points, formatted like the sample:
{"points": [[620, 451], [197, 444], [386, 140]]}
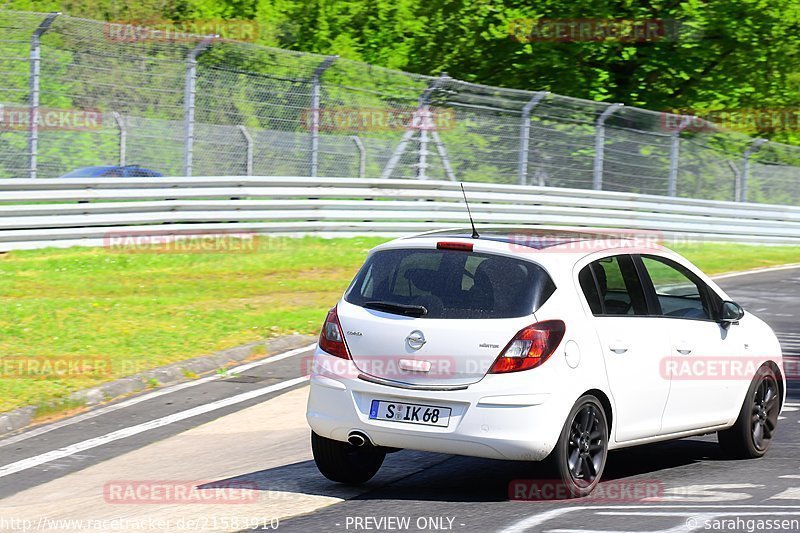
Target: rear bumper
{"points": [[497, 418]]}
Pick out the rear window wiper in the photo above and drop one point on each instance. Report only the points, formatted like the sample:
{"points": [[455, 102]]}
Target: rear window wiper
{"points": [[398, 309]]}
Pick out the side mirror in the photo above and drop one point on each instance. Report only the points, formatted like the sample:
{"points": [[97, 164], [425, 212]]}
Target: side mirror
{"points": [[730, 313]]}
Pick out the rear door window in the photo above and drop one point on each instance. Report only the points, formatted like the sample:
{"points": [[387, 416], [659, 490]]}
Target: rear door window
{"points": [[679, 292], [612, 287], [452, 284]]}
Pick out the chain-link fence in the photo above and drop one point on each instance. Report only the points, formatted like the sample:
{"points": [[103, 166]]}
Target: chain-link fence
{"points": [[77, 93]]}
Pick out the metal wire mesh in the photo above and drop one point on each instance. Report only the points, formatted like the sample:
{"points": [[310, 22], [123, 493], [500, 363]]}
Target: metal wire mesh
{"points": [[208, 106]]}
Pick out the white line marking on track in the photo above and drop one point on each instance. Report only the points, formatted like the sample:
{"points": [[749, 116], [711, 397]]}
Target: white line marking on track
{"points": [[756, 271], [145, 397], [123, 433]]}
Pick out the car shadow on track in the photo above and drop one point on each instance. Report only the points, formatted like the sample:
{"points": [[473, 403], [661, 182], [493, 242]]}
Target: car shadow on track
{"points": [[408, 475]]}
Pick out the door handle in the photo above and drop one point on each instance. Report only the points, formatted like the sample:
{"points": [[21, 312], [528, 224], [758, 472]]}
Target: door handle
{"points": [[618, 348], [683, 349]]}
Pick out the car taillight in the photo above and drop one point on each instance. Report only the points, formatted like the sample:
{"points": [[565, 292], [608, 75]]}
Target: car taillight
{"points": [[459, 246], [331, 338], [530, 347]]}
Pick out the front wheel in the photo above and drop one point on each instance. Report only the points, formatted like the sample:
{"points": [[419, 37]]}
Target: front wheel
{"points": [[751, 435], [580, 454], [344, 463]]}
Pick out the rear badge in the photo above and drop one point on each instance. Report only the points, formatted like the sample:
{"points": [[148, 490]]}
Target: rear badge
{"points": [[415, 340], [413, 365], [488, 345], [355, 333]]}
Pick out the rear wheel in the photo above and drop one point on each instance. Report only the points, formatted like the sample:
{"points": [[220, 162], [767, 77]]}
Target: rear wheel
{"points": [[580, 454], [751, 435], [344, 463]]}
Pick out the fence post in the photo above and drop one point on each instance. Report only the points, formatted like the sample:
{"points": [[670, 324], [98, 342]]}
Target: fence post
{"points": [[362, 156], [525, 136], [599, 146], [35, 71], [754, 147], [315, 109], [248, 139], [123, 137], [736, 178], [674, 156], [188, 102]]}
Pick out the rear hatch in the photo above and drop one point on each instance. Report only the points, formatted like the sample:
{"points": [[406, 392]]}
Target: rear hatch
{"points": [[438, 317]]}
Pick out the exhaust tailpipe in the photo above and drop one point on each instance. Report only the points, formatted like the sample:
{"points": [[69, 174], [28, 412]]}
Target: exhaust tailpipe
{"points": [[358, 439]]}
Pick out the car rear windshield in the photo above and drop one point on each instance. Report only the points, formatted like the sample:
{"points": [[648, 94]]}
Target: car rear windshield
{"points": [[450, 284]]}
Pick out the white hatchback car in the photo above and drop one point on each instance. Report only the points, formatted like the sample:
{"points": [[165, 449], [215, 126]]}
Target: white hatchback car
{"points": [[525, 346]]}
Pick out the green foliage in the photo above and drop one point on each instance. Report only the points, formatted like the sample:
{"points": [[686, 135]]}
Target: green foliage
{"points": [[727, 55]]}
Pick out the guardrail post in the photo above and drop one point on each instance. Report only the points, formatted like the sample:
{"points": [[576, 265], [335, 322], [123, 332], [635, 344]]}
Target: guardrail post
{"points": [[674, 156], [315, 109], [525, 136], [599, 146], [248, 139], [35, 74], [362, 156], [123, 137], [754, 147], [190, 91]]}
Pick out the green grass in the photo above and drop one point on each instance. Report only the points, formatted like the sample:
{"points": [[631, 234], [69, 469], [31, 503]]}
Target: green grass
{"points": [[720, 258], [150, 307]]}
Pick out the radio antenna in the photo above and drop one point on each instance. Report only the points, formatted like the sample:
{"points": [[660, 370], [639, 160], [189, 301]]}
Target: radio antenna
{"points": [[472, 222]]}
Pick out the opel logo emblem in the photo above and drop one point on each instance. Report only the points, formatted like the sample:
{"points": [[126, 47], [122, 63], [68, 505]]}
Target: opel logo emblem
{"points": [[415, 340]]}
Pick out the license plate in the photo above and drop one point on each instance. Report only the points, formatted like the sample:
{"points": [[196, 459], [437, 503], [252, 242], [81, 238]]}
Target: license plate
{"points": [[410, 413]]}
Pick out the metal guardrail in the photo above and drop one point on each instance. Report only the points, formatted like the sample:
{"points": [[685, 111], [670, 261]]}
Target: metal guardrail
{"points": [[36, 213]]}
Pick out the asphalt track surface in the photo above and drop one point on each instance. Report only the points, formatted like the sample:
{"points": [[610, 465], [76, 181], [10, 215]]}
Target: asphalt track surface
{"points": [[248, 430]]}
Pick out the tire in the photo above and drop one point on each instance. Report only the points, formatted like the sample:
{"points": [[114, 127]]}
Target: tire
{"points": [[750, 437], [344, 463], [579, 457]]}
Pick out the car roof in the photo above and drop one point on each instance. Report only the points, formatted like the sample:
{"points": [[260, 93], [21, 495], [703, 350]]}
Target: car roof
{"points": [[96, 171], [532, 238], [579, 240], [97, 168]]}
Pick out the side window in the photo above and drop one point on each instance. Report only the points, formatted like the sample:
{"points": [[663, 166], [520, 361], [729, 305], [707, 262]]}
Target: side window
{"points": [[679, 292], [612, 287]]}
